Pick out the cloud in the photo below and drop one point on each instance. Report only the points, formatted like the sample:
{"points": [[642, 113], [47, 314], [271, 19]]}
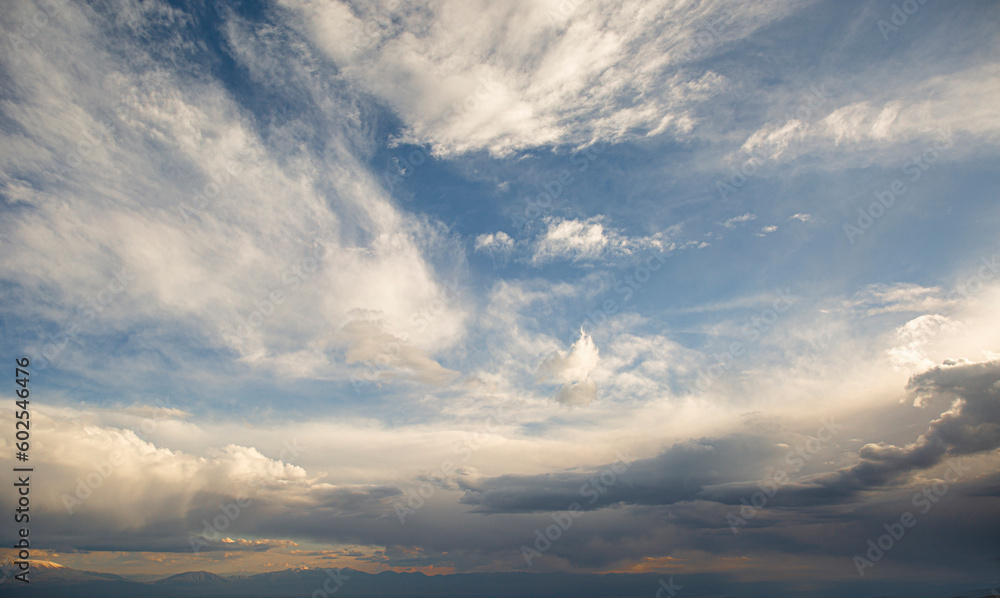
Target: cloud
{"points": [[903, 111], [881, 298], [231, 235], [498, 246], [590, 239], [743, 219], [914, 336], [578, 393], [712, 468], [970, 425], [241, 544], [571, 239], [384, 354], [573, 370], [110, 489], [576, 364], [499, 241], [677, 474], [505, 77]]}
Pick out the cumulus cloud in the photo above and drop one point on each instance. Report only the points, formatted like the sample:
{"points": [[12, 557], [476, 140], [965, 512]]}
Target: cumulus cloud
{"points": [[914, 336], [590, 239], [573, 369], [110, 489], [573, 239]]}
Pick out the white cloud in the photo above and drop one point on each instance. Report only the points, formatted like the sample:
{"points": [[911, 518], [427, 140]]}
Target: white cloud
{"points": [[771, 141], [590, 239], [743, 219], [110, 474], [498, 246], [577, 364], [900, 297], [902, 111], [505, 76], [573, 369], [571, 239], [914, 336], [262, 249], [499, 241]]}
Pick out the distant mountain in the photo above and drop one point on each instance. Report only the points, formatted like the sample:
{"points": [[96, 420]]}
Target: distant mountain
{"points": [[296, 583], [193, 578], [51, 573], [52, 579]]}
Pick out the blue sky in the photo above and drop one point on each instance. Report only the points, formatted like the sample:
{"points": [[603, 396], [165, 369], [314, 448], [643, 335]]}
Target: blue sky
{"points": [[643, 228]]}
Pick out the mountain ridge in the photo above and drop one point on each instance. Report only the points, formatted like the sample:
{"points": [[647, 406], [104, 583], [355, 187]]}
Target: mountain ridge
{"points": [[305, 581]]}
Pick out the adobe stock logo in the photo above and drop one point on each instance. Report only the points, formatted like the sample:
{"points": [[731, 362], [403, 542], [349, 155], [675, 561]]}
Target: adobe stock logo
{"points": [[595, 487], [797, 458], [894, 531], [753, 329], [669, 587], [899, 17], [977, 281], [914, 168]]}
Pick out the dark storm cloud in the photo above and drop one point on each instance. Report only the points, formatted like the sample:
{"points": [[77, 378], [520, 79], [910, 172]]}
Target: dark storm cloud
{"points": [[720, 469], [970, 425], [677, 474]]}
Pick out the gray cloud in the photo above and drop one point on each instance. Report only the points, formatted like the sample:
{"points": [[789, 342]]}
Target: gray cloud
{"points": [[721, 469], [678, 474]]}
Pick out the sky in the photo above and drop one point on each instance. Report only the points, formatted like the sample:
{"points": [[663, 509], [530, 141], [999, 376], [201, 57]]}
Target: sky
{"points": [[679, 287]]}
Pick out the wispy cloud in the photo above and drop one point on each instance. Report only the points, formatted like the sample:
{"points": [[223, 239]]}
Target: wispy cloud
{"points": [[591, 239], [539, 79], [736, 220]]}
